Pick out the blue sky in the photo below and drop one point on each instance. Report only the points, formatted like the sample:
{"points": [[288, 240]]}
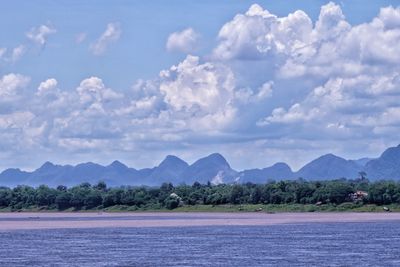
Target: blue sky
{"points": [[140, 52], [254, 80]]}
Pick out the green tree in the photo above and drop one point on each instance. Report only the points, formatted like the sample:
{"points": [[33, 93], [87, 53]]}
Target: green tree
{"points": [[237, 194], [5, 196], [93, 199], [45, 196], [63, 200], [101, 186], [171, 202]]}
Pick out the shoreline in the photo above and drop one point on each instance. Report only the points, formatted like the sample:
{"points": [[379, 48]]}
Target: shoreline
{"points": [[239, 208], [87, 220]]}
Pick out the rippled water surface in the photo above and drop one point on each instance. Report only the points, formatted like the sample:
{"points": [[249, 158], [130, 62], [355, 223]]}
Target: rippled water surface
{"points": [[313, 244]]}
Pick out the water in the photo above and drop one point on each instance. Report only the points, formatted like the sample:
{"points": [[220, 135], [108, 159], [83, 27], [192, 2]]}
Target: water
{"points": [[312, 244]]}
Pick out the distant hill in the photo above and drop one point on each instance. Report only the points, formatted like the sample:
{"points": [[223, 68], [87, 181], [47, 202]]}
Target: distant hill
{"points": [[169, 170], [329, 167], [213, 168], [387, 166], [277, 171]]}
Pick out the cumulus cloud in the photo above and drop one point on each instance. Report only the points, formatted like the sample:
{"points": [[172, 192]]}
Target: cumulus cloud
{"points": [[203, 92], [47, 86], [357, 106], [93, 90], [10, 83], [390, 17], [362, 80], [344, 78], [191, 85], [185, 41], [258, 34], [39, 35], [109, 36], [190, 98]]}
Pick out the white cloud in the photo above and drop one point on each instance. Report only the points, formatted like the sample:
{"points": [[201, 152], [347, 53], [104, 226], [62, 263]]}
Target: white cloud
{"points": [[185, 41], [93, 90], [47, 86], [265, 90], [390, 17], [17, 53], [296, 113], [364, 106], [194, 86], [295, 48], [331, 80], [247, 96], [40, 34], [110, 35], [331, 22], [10, 83], [16, 120], [12, 55], [258, 34]]}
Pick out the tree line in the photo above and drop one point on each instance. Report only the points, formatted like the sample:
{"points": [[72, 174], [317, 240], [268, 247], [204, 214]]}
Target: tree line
{"points": [[86, 196]]}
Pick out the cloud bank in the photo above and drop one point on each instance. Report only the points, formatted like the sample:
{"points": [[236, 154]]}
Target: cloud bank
{"points": [[273, 88]]}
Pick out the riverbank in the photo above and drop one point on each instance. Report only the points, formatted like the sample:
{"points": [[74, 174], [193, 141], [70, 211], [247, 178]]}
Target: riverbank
{"points": [[269, 208]]}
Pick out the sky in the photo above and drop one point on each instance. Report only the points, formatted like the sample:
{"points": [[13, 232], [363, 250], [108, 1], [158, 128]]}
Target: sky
{"points": [[257, 81]]}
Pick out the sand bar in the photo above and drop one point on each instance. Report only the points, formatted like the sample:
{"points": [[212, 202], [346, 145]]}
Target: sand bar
{"points": [[25, 221]]}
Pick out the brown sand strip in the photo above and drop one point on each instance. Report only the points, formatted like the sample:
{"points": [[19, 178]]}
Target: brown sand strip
{"points": [[23, 221]]}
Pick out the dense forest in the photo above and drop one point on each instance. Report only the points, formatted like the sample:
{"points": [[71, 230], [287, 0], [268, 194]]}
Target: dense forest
{"points": [[86, 196]]}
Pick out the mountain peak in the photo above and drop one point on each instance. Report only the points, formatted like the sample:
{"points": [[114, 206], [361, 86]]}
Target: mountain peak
{"points": [[329, 166], [171, 158], [217, 158], [391, 152], [117, 165], [46, 166], [281, 165], [172, 161], [207, 168], [48, 163], [330, 156]]}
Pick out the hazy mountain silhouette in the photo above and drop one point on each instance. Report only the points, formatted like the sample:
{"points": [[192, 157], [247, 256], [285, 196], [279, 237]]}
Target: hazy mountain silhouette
{"points": [[213, 168]]}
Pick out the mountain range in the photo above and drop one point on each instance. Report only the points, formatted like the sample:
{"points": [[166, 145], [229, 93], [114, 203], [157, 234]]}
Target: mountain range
{"points": [[213, 168]]}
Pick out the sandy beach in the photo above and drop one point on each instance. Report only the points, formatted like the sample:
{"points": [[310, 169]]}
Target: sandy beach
{"points": [[21, 221]]}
